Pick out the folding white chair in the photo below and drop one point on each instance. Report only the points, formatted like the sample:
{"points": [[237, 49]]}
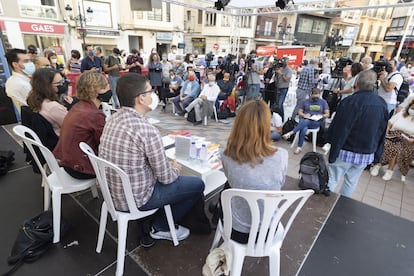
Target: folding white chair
{"points": [[314, 132], [100, 167], [266, 231], [58, 181]]}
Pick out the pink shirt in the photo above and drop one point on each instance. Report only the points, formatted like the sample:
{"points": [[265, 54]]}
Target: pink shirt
{"points": [[54, 112]]}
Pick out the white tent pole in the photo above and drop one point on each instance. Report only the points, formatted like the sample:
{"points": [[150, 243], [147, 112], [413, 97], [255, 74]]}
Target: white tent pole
{"points": [[405, 35]]}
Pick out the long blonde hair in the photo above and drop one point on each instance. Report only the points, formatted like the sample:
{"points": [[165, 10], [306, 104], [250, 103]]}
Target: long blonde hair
{"points": [[249, 140]]}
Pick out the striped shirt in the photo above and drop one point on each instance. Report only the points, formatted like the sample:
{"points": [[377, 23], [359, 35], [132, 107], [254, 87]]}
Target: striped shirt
{"points": [[356, 158], [132, 143]]}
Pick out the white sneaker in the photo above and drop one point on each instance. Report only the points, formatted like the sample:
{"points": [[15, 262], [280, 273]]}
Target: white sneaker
{"points": [[402, 178], [388, 175], [375, 170], [298, 150], [181, 231], [186, 115], [326, 148]]}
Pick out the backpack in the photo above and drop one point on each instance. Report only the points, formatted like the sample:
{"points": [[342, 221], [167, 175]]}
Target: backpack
{"points": [[191, 116], [404, 90], [314, 174], [288, 126], [34, 239]]}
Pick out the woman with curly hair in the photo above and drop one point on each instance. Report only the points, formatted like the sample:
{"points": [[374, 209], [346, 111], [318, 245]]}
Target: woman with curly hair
{"points": [[83, 123], [399, 144], [44, 96]]}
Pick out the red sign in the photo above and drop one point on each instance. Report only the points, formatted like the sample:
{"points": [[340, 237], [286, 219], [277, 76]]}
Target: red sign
{"points": [[215, 46], [41, 28], [2, 25]]}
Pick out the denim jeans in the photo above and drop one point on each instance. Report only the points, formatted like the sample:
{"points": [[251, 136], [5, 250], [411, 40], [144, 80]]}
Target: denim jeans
{"points": [[275, 136], [113, 81], [282, 96], [186, 102], [253, 91], [350, 172], [181, 194], [303, 126]]}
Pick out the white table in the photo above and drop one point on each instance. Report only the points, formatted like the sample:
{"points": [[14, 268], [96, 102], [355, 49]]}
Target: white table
{"points": [[213, 177]]}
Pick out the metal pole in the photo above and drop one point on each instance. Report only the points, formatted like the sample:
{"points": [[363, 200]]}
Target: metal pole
{"points": [[404, 35], [82, 30]]}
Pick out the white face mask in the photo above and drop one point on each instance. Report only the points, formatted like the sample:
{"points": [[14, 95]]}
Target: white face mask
{"points": [[411, 112], [154, 101], [53, 60], [210, 83]]}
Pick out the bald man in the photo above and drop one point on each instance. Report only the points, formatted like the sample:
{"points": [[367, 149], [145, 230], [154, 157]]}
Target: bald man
{"points": [[41, 62]]}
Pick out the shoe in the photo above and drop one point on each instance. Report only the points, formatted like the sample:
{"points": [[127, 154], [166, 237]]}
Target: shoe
{"points": [[181, 113], [298, 150], [185, 115], [147, 241], [197, 123], [182, 234], [412, 163], [287, 135], [375, 169], [326, 148], [402, 178], [388, 175]]}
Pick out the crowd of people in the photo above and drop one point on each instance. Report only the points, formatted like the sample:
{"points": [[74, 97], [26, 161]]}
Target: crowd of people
{"points": [[367, 128]]}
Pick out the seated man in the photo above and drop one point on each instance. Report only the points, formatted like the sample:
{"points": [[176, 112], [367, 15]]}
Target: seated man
{"points": [[308, 111], [173, 89], [205, 101], [226, 86], [189, 91], [132, 143]]}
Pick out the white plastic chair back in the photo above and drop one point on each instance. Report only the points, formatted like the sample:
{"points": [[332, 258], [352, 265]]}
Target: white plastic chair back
{"points": [[101, 166], [314, 132]]}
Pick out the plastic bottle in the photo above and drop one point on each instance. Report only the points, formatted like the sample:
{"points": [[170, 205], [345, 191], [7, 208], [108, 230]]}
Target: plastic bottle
{"points": [[203, 154], [193, 151]]}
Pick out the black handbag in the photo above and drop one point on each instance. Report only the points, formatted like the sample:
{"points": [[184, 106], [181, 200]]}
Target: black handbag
{"points": [[33, 240]]}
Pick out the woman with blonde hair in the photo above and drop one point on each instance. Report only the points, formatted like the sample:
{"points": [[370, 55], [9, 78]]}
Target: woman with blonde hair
{"points": [[250, 161], [83, 123]]}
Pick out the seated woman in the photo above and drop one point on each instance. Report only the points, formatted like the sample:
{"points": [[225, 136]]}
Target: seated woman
{"points": [[83, 123], [276, 123], [399, 144], [43, 98], [310, 111], [251, 162]]}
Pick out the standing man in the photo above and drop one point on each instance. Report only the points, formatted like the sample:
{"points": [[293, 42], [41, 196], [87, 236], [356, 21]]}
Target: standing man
{"points": [[135, 145], [172, 56], [390, 82], [284, 75], [134, 62], [254, 70], [356, 134], [307, 81], [90, 62], [366, 63], [18, 85], [112, 67]]}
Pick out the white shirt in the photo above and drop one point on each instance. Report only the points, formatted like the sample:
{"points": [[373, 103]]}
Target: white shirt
{"points": [[211, 92], [391, 96], [18, 88], [276, 120], [406, 124]]}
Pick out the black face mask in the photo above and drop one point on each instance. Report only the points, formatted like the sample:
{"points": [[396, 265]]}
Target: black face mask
{"points": [[105, 97], [62, 89]]}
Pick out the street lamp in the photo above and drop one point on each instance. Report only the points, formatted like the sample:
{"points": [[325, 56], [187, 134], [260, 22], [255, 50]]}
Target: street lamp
{"points": [[81, 18], [283, 31]]}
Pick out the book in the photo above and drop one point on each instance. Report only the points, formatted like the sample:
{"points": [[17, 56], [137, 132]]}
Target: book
{"points": [[315, 117]]}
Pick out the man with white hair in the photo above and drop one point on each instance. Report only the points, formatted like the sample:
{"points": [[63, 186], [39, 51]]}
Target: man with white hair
{"points": [[366, 63]]}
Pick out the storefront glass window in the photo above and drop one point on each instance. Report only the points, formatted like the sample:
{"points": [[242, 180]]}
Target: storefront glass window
{"points": [[44, 42], [38, 8]]}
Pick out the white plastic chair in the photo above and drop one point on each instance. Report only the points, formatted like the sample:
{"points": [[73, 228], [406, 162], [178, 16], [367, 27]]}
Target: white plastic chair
{"points": [[314, 132], [58, 181], [267, 233], [101, 166], [215, 115]]}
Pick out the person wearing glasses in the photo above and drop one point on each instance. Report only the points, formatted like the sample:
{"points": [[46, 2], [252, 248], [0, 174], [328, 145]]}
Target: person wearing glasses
{"points": [[135, 145], [83, 123], [43, 98]]}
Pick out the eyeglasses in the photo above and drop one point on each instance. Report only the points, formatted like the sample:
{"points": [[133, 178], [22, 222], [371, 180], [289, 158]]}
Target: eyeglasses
{"points": [[148, 91], [61, 82]]}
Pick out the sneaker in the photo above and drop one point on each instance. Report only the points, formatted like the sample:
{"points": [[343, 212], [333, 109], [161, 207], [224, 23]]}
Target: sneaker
{"points": [[182, 233], [197, 123], [287, 135], [186, 115], [402, 178], [147, 241], [375, 169], [326, 148], [388, 175], [298, 150]]}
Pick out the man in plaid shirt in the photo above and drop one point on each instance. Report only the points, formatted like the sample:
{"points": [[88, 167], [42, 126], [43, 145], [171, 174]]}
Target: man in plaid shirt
{"points": [[131, 142]]}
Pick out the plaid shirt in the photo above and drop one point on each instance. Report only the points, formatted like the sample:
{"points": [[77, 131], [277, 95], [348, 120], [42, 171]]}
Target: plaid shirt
{"points": [[307, 79], [132, 143], [356, 158]]}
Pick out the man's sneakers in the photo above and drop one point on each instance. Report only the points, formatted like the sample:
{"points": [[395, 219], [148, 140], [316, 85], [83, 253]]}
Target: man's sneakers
{"points": [[388, 175], [182, 234], [375, 169], [287, 135]]}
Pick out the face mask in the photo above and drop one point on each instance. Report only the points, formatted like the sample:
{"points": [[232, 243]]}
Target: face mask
{"points": [[210, 83], [191, 78], [53, 60], [174, 51], [105, 97], [29, 68], [190, 59], [155, 101], [411, 112], [75, 56], [164, 58], [62, 89], [315, 99], [91, 53]]}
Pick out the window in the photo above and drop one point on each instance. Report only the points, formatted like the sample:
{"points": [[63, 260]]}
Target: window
{"points": [[379, 38], [168, 11], [312, 26], [398, 23], [210, 19], [245, 21], [155, 14], [225, 21], [138, 15], [200, 17], [318, 27], [305, 25], [267, 28], [42, 8], [188, 15]]}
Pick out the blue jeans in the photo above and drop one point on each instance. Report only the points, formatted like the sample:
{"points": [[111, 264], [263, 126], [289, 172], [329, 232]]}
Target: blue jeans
{"points": [[181, 194], [113, 81], [303, 126], [186, 102], [253, 91], [350, 172], [282, 96], [275, 136]]}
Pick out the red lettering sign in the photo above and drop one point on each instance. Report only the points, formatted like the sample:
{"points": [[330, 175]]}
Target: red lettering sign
{"points": [[41, 28]]}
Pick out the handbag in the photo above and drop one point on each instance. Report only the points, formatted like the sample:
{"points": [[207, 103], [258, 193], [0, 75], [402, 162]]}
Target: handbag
{"points": [[33, 240]]}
